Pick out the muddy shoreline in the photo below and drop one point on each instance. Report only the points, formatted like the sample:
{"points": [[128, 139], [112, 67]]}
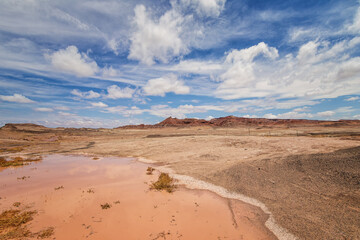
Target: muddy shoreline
{"points": [[81, 179]]}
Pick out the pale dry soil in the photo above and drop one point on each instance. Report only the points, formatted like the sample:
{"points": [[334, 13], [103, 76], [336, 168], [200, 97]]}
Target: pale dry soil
{"points": [[309, 178]]}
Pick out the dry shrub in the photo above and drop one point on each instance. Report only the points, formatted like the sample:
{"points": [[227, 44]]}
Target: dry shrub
{"points": [[149, 170], [18, 161], [11, 224], [105, 206], [164, 182], [46, 233]]}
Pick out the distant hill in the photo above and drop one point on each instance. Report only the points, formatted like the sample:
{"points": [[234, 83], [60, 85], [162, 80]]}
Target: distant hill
{"points": [[232, 121]]}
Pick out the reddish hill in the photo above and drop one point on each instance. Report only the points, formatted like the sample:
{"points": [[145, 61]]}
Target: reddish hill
{"points": [[232, 121]]}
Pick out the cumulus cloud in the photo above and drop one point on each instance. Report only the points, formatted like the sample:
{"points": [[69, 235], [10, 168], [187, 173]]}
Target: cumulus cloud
{"points": [[325, 114], [163, 85], [18, 98], [110, 72], [88, 95], [250, 116], [156, 39], [240, 75], [289, 115], [115, 92], [270, 116], [318, 70], [70, 60], [43, 109], [99, 104]]}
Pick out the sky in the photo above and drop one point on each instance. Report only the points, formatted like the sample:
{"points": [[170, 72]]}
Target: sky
{"points": [[90, 63]]}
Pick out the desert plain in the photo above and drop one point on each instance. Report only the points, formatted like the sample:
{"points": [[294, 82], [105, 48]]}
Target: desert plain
{"points": [[307, 175]]}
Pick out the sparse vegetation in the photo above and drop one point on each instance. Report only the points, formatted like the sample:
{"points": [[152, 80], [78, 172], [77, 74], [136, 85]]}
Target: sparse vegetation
{"points": [[164, 182], [17, 161], [149, 170], [46, 233], [105, 206], [23, 177], [90, 190], [117, 202], [95, 158], [58, 188], [11, 224], [17, 204]]}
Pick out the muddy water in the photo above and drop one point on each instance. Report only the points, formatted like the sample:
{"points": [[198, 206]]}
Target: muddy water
{"points": [[84, 184]]}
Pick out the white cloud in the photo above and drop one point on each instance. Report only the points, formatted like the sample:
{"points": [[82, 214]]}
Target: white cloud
{"points": [[99, 104], [289, 115], [355, 25], [88, 95], [250, 116], [295, 115], [303, 109], [18, 98], [69, 60], [163, 110], [115, 92], [326, 114], [208, 118], [344, 110], [62, 108], [352, 99], [163, 85], [44, 109], [211, 8], [240, 75], [319, 70], [198, 67], [110, 72], [156, 39], [66, 114], [270, 116]]}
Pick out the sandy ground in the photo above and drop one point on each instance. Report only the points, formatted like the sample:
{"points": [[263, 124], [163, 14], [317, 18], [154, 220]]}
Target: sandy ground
{"points": [[312, 190], [68, 191]]}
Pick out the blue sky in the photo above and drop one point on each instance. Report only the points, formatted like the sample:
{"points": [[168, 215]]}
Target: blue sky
{"points": [[109, 63]]}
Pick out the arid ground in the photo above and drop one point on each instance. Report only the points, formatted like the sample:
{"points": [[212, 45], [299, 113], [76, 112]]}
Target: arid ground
{"points": [[308, 177]]}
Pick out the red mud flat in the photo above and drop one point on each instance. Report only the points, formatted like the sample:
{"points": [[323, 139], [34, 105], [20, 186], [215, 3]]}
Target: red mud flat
{"points": [[68, 191]]}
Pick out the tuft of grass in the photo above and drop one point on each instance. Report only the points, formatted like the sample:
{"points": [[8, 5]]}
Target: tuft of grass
{"points": [[105, 206], [117, 202], [17, 204], [149, 170], [164, 182], [17, 161], [23, 177], [95, 158], [46, 233], [90, 191], [11, 224], [58, 188]]}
